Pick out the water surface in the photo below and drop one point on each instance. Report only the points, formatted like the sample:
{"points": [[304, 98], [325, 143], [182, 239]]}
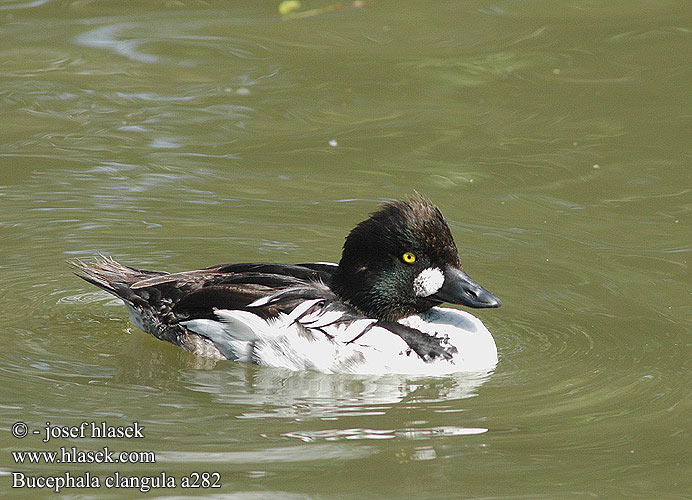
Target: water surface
{"points": [[554, 136]]}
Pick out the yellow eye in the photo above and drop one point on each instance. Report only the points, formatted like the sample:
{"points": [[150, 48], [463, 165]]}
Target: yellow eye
{"points": [[408, 257]]}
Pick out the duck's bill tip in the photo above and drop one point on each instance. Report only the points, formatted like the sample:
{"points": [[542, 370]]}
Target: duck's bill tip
{"points": [[489, 300]]}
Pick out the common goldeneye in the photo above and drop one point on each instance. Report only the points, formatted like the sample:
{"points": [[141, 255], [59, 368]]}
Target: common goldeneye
{"points": [[375, 312]]}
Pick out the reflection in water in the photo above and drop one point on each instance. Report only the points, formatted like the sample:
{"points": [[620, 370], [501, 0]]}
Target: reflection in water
{"points": [[407, 433], [274, 393]]}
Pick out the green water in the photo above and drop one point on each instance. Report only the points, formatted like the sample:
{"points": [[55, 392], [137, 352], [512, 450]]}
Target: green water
{"points": [[555, 136]]}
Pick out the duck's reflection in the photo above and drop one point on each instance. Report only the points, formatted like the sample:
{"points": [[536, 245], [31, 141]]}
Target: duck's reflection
{"points": [[271, 392]]}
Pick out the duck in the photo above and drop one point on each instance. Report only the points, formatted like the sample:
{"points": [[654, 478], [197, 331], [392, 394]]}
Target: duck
{"points": [[378, 311]]}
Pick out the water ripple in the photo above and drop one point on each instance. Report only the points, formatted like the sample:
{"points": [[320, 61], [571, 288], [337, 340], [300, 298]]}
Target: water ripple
{"points": [[287, 454], [28, 5], [106, 37]]}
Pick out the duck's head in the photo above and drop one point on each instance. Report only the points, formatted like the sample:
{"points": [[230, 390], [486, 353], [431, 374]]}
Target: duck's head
{"points": [[403, 261]]}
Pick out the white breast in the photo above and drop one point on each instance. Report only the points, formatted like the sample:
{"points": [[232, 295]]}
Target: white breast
{"points": [[475, 344]]}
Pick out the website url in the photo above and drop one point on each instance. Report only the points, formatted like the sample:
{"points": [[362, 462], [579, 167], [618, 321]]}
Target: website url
{"points": [[76, 456]]}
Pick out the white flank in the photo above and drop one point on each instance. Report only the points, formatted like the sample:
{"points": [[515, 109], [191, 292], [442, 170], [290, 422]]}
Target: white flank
{"points": [[319, 341], [302, 309]]}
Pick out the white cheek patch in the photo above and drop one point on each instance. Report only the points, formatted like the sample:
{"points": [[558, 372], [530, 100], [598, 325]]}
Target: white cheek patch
{"points": [[429, 281]]}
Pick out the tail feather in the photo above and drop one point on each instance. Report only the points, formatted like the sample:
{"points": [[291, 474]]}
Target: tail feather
{"points": [[111, 276]]}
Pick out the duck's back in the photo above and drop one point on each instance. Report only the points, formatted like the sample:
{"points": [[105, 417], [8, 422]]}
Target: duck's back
{"points": [[159, 302]]}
